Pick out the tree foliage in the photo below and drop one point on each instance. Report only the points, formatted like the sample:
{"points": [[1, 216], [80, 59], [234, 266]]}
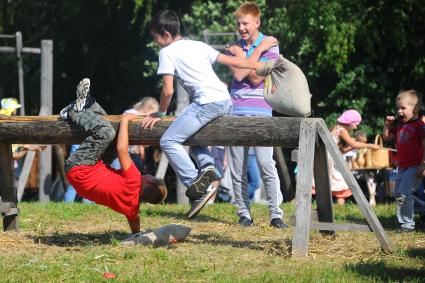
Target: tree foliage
{"points": [[355, 54]]}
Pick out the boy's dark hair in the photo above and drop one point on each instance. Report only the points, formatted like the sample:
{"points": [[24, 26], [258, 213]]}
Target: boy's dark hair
{"points": [[165, 20]]}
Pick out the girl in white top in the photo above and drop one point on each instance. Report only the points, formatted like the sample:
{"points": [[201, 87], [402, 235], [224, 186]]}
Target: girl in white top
{"points": [[348, 121]]}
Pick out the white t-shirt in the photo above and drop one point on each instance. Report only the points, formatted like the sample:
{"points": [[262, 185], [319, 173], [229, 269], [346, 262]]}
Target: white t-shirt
{"points": [[191, 63]]}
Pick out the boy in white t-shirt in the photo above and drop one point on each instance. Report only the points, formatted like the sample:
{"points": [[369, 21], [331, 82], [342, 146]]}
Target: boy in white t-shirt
{"points": [[190, 62]]}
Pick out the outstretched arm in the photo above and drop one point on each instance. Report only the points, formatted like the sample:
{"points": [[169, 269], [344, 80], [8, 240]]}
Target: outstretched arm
{"points": [[240, 74], [166, 94], [251, 62], [355, 144], [134, 225], [122, 142]]}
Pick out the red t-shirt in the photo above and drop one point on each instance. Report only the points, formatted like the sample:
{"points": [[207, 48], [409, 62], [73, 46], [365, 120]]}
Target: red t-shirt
{"points": [[104, 185], [409, 138]]}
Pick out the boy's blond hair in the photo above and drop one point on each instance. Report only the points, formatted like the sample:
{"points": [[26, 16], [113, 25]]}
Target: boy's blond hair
{"points": [[248, 8], [413, 98], [147, 104]]}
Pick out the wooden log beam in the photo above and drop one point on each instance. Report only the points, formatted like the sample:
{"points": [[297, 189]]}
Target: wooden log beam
{"points": [[230, 131]]}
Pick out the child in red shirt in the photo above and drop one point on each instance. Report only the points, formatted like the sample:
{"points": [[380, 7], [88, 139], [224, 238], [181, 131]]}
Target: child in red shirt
{"points": [[120, 190], [409, 133]]}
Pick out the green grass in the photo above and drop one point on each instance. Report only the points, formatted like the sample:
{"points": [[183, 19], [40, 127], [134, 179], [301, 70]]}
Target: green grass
{"points": [[78, 243]]}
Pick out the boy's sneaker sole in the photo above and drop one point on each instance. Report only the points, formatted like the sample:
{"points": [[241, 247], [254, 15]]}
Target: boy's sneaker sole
{"points": [[199, 203], [83, 90], [202, 183]]}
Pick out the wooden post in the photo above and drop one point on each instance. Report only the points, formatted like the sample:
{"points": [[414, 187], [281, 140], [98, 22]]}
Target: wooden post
{"points": [[7, 190], [20, 72], [287, 186], [363, 204], [46, 91], [323, 188], [300, 237]]}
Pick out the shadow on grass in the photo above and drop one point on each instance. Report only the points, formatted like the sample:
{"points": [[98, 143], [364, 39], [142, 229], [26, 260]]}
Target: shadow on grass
{"points": [[388, 222], [183, 216], [379, 271], [80, 239], [273, 247], [417, 253]]}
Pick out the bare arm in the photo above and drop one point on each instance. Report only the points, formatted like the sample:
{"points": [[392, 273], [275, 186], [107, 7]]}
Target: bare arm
{"points": [[240, 74], [387, 135], [122, 142], [251, 62], [355, 144], [166, 94], [134, 225]]}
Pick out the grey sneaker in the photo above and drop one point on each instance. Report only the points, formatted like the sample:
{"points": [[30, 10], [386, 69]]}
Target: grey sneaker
{"points": [[199, 202], [245, 221], [64, 112], [83, 90], [278, 223], [202, 182]]}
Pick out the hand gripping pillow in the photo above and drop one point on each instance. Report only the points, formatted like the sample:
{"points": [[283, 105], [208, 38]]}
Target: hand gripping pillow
{"points": [[286, 88]]}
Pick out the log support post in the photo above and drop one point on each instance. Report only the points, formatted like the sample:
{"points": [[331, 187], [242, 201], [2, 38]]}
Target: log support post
{"points": [[8, 207]]}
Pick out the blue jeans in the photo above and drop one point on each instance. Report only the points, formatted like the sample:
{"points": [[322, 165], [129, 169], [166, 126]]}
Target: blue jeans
{"points": [[406, 184], [71, 196], [253, 176], [191, 120]]}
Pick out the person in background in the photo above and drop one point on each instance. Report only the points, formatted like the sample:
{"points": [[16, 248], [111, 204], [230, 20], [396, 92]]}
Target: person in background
{"points": [[348, 121], [9, 107], [409, 134], [144, 107], [248, 100]]}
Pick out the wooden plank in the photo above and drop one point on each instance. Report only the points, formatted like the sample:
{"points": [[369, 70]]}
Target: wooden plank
{"points": [[323, 188], [323, 226], [363, 204], [25, 172], [301, 232], [230, 131], [287, 187], [7, 190], [46, 91]]}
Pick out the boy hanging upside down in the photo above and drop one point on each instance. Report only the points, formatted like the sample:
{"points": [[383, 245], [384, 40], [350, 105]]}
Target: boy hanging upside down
{"points": [[120, 190]]}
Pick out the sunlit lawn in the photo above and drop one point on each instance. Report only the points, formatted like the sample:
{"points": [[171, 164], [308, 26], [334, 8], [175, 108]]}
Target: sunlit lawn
{"points": [[78, 242]]}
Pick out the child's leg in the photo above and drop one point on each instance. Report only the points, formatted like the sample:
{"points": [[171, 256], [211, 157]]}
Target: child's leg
{"points": [[100, 134], [190, 121], [406, 185], [270, 178], [238, 166]]}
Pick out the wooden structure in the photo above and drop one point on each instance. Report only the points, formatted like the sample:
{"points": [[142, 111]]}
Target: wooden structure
{"points": [[46, 102], [310, 135]]}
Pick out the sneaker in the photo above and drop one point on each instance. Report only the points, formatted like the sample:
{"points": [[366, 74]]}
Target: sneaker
{"points": [[210, 166], [83, 98], [202, 183], [245, 221], [405, 230], [83, 90], [278, 223], [199, 202], [64, 112]]}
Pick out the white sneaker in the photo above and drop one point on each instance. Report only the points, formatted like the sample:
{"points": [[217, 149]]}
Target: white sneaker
{"points": [[83, 90]]}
